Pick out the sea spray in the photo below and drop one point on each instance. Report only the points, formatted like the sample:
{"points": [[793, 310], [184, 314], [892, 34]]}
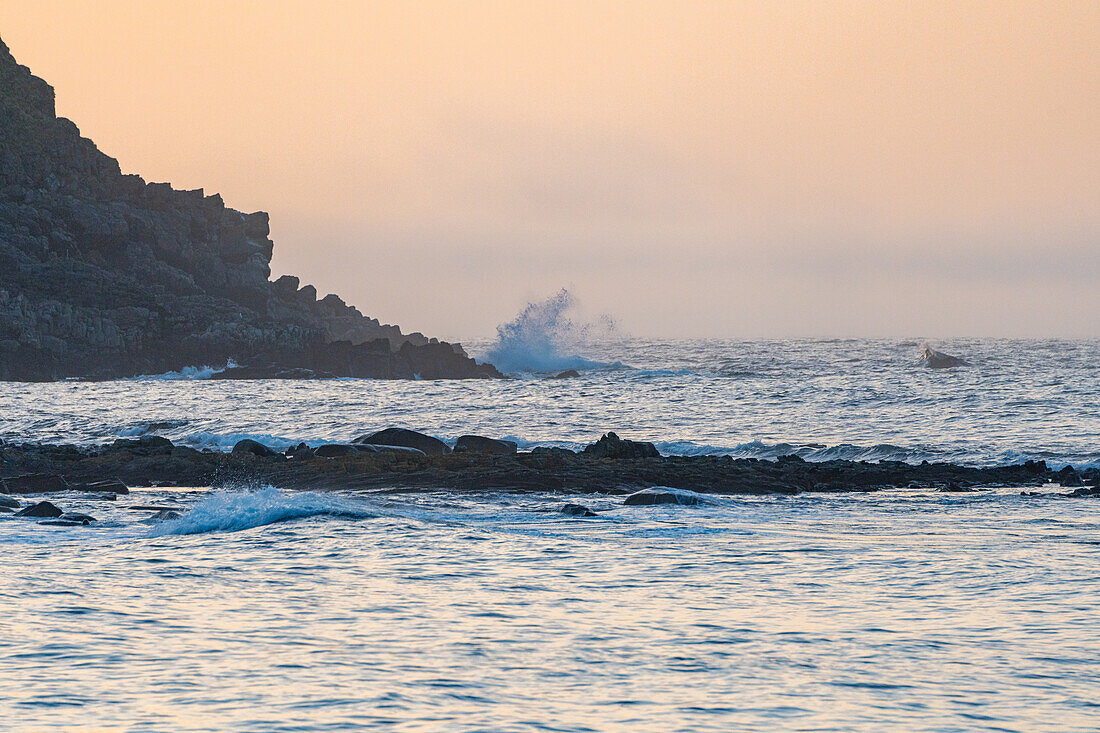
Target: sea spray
{"points": [[543, 337], [232, 511]]}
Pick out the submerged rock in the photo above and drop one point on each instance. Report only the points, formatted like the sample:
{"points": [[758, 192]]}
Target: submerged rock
{"points": [[576, 510], [77, 518], [35, 483], [480, 444], [567, 374], [8, 502], [404, 438], [932, 359], [612, 446], [41, 509], [650, 497], [109, 488]]}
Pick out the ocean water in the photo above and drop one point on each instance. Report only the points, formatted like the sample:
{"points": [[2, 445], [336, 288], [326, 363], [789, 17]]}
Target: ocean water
{"points": [[858, 399], [260, 609], [279, 611]]}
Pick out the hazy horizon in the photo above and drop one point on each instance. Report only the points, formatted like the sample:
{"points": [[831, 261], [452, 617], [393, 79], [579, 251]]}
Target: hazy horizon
{"points": [[758, 169]]}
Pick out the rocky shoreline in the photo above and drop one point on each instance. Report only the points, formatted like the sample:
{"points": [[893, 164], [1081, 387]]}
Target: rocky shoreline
{"points": [[409, 461]]}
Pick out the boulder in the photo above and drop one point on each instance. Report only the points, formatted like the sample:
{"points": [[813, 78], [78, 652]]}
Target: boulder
{"points": [[612, 446], [35, 483], [8, 502], [41, 509], [335, 450], [406, 439], [576, 510], [255, 448], [567, 374], [480, 444], [650, 497], [300, 452]]}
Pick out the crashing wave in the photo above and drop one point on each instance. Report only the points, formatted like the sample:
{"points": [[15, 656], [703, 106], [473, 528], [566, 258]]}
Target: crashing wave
{"points": [[186, 373], [542, 336], [233, 511]]}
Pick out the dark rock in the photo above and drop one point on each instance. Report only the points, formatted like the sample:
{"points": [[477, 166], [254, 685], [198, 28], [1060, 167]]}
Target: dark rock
{"points": [[649, 497], [7, 501], [954, 488], [300, 452], [63, 523], [576, 510], [111, 486], [35, 483], [77, 517], [932, 359], [6, 509], [567, 374], [407, 439], [1084, 491], [255, 448], [145, 445], [1068, 477], [479, 444], [612, 446], [41, 509], [335, 450], [153, 508], [371, 448]]}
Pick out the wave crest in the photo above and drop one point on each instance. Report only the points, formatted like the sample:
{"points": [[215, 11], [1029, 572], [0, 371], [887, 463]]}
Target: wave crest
{"points": [[233, 511]]}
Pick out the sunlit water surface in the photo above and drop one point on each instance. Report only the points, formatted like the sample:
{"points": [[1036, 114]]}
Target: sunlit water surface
{"points": [[300, 612], [281, 611]]}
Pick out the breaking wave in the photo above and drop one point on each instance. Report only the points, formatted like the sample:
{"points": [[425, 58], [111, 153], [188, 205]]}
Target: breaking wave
{"points": [[232, 511], [544, 335], [186, 373]]}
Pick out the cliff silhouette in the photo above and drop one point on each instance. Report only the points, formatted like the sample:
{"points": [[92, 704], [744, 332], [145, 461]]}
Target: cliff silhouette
{"points": [[103, 275]]}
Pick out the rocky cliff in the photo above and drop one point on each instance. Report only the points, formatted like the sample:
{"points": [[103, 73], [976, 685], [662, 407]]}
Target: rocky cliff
{"points": [[103, 275]]}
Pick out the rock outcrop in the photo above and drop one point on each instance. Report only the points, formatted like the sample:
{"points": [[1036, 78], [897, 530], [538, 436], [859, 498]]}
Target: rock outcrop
{"points": [[103, 275]]}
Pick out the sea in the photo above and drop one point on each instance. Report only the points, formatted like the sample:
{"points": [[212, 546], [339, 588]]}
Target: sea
{"points": [[259, 609]]}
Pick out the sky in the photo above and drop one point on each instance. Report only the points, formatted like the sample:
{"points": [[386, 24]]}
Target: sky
{"points": [[692, 169]]}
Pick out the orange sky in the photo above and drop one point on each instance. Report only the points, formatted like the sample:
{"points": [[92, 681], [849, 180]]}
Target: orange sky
{"points": [[692, 168]]}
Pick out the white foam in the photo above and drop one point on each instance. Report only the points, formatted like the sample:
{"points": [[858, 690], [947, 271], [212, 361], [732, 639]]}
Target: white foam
{"points": [[186, 373], [232, 511], [541, 336]]}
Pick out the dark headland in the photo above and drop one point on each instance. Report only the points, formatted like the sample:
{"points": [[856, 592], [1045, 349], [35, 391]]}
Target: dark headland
{"points": [[103, 275]]}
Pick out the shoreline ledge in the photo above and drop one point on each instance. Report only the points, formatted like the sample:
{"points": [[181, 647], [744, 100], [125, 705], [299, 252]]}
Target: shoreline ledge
{"points": [[610, 466]]}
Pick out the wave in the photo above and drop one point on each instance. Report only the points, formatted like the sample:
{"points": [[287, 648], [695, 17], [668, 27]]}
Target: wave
{"points": [[540, 338], [233, 511], [186, 373], [226, 441]]}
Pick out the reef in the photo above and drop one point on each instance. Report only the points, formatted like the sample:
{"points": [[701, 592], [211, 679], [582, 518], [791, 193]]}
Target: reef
{"points": [[483, 466], [103, 275]]}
